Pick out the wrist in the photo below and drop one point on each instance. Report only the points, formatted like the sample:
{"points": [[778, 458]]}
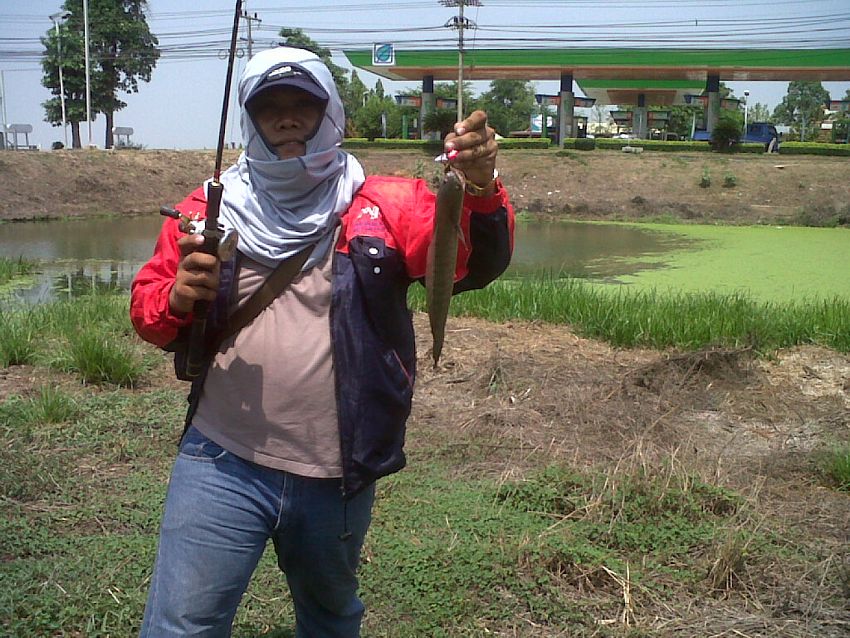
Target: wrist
{"points": [[482, 190]]}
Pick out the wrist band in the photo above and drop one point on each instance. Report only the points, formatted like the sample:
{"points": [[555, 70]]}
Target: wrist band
{"points": [[475, 189]]}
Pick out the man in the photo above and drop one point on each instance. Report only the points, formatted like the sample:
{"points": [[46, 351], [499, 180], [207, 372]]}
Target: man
{"points": [[302, 410]]}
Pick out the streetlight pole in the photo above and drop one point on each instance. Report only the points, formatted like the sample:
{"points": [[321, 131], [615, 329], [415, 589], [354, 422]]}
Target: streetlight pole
{"points": [[88, 67], [746, 109], [460, 23], [61, 15]]}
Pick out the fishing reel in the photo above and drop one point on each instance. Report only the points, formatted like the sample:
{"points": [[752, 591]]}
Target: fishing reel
{"points": [[216, 242]]}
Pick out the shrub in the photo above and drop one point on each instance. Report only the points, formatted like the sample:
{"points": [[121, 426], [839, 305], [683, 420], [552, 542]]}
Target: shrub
{"points": [[585, 144], [814, 148], [726, 135], [652, 145]]}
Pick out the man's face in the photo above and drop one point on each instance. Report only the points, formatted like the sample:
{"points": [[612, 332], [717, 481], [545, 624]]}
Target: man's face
{"points": [[286, 117]]}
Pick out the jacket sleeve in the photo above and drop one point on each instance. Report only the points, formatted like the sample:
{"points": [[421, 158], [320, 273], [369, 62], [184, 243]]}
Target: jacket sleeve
{"points": [[149, 309], [488, 231]]}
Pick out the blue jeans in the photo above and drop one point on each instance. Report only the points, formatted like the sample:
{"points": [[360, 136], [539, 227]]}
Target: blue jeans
{"points": [[220, 512]]}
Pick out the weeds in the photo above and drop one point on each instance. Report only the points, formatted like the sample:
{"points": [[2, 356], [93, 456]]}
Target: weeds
{"points": [[729, 180], [705, 180]]}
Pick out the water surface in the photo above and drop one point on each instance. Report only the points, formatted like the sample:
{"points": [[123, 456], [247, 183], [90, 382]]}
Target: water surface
{"points": [[110, 250]]}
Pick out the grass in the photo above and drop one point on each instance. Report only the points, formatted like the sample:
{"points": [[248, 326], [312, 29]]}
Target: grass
{"points": [[49, 405], [83, 471], [89, 335], [11, 269], [445, 555], [630, 318], [835, 466]]}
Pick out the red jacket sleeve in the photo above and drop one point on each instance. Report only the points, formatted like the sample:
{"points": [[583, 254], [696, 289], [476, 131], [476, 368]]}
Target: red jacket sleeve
{"points": [[149, 309], [407, 207]]}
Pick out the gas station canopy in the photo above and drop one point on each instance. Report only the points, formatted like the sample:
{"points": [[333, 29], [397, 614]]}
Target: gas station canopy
{"points": [[617, 76]]}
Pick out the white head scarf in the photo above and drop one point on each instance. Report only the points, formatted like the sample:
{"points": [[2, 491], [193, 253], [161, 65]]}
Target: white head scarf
{"points": [[281, 206]]}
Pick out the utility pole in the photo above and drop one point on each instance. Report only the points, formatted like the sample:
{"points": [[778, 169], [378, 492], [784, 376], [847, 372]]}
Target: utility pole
{"points": [[460, 23], [249, 19], [61, 15], [3, 110], [88, 67]]}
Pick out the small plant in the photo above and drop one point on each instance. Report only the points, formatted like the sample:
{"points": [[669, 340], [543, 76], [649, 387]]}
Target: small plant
{"points": [[729, 180], [835, 465], [419, 169], [705, 180]]}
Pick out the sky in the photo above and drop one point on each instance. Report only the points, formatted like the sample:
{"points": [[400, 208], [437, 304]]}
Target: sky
{"points": [[180, 107]]}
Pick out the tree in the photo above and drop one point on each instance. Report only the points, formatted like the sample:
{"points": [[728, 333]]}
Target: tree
{"points": [[122, 52], [802, 107], [65, 49], [369, 117], [599, 115], [509, 104], [758, 112], [353, 99], [300, 40], [441, 121]]}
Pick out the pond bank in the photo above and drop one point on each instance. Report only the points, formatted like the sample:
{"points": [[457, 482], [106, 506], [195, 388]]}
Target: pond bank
{"points": [[571, 184]]}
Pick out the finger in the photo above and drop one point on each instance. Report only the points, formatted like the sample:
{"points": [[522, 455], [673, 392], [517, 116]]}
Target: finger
{"points": [[482, 153], [472, 139], [200, 261], [190, 243], [476, 120]]}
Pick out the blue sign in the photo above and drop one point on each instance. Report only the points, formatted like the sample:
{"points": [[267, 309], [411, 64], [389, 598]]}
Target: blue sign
{"points": [[383, 54]]}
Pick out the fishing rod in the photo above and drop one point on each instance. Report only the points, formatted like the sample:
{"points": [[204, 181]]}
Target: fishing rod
{"points": [[212, 233]]}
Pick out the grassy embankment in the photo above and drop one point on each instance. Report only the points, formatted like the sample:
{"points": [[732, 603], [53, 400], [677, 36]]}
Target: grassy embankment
{"points": [[83, 470]]}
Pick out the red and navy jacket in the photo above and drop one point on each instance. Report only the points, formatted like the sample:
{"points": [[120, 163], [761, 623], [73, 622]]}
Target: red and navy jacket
{"points": [[381, 250]]}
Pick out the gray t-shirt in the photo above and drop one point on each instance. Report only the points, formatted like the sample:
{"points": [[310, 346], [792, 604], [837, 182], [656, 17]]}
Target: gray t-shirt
{"points": [[269, 395]]}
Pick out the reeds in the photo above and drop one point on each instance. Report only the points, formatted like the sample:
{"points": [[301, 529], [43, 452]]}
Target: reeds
{"points": [[14, 268], [633, 318]]}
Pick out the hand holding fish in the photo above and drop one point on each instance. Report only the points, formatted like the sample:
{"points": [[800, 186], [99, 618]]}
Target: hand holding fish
{"points": [[475, 143]]}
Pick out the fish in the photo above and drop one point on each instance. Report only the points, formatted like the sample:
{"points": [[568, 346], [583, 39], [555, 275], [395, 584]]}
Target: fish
{"points": [[442, 256]]}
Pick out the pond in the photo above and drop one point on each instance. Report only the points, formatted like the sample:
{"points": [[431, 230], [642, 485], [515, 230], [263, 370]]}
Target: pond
{"points": [[108, 251]]}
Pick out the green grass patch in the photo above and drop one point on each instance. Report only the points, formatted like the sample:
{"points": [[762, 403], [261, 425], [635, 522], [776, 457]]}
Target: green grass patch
{"points": [[90, 336], [627, 317], [835, 466], [49, 405]]}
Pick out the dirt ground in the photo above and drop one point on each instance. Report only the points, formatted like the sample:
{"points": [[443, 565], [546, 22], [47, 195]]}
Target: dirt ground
{"points": [[512, 397], [575, 185]]}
